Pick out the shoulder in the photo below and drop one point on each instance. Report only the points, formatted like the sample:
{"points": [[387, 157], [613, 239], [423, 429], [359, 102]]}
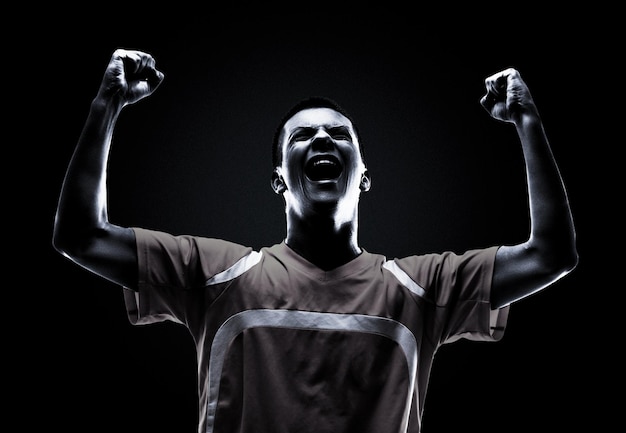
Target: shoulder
{"points": [[448, 267], [187, 245], [450, 259]]}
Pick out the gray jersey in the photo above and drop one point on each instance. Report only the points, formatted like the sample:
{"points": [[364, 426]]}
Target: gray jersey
{"points": [[284, 346]]}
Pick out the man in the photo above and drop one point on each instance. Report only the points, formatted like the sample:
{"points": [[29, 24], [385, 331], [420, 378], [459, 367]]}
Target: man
{"points": [[312, 334]]}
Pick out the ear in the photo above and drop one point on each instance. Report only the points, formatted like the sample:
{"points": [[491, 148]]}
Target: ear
{"points": [[366, 181], [278, 184]]}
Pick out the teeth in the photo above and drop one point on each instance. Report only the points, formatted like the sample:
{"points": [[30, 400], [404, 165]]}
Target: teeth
{"points": [[323, 161]]}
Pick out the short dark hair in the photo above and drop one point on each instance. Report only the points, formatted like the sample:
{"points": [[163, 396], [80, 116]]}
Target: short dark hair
{"points": [[303, 104]]}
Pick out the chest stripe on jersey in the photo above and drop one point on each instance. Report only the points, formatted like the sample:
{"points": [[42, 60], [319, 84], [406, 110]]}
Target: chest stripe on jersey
{"points": [[307, 320], [242, 265], [404, 279]]}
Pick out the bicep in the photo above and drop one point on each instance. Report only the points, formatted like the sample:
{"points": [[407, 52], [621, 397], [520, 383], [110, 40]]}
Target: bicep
{"points": [[518, 272], [112, 254]]}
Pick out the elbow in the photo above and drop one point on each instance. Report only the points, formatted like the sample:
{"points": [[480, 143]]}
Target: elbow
{"points": [[562, 262], [570, 261], [555, 252], [569, 257], [64, 243], [70, 241], [58, 237]]}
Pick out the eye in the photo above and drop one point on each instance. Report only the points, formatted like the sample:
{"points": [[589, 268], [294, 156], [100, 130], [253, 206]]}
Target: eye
{"points": [[340, 133], [302, 134], [342, 136]]}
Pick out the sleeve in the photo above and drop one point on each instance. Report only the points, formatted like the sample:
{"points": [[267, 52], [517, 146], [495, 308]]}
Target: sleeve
{"points": [[458, 288], [172, 275]]}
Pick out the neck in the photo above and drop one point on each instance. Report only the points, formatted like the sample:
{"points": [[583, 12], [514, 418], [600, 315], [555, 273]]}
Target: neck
{"points": [[322, 242]]}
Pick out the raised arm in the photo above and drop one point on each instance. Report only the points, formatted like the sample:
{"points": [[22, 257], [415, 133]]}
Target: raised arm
{"points": [[550, 251], [82, 231]]}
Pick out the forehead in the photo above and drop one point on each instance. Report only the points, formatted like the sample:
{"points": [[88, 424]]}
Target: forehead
{"points": [[316, 117]]}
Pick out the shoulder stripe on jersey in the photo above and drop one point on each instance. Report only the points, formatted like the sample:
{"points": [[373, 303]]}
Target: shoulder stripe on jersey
{"points": [[309, 320], [242, 265], [404, 279]]}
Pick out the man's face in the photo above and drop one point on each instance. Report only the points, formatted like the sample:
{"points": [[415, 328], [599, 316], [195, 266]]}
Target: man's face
{"points": [[321, 165]]}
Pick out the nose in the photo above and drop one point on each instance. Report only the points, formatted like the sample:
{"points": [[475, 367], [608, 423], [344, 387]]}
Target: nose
{"points": [[322, 141]]}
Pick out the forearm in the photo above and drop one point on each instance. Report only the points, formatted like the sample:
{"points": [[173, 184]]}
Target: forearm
{"points": [[82, 207], [551, 220]]}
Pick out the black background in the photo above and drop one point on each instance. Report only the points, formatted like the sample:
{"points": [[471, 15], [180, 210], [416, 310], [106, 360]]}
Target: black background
{"points": [[195, 158]]}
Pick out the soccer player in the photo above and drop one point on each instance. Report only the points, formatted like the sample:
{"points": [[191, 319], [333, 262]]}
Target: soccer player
{"points": [[313, 333]]}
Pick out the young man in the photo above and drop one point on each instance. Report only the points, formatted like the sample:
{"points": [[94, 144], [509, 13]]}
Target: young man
{"points": [[312, 334]]}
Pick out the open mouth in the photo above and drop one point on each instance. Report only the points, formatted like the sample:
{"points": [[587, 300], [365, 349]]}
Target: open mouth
{"points": [[323, 167]]}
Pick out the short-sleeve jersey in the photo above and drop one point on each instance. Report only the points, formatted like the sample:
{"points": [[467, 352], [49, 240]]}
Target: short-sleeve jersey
{"points": [[284, 346]]}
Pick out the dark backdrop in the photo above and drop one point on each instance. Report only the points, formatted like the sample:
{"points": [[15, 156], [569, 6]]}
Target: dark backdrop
{"points": [[195, 158]]}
